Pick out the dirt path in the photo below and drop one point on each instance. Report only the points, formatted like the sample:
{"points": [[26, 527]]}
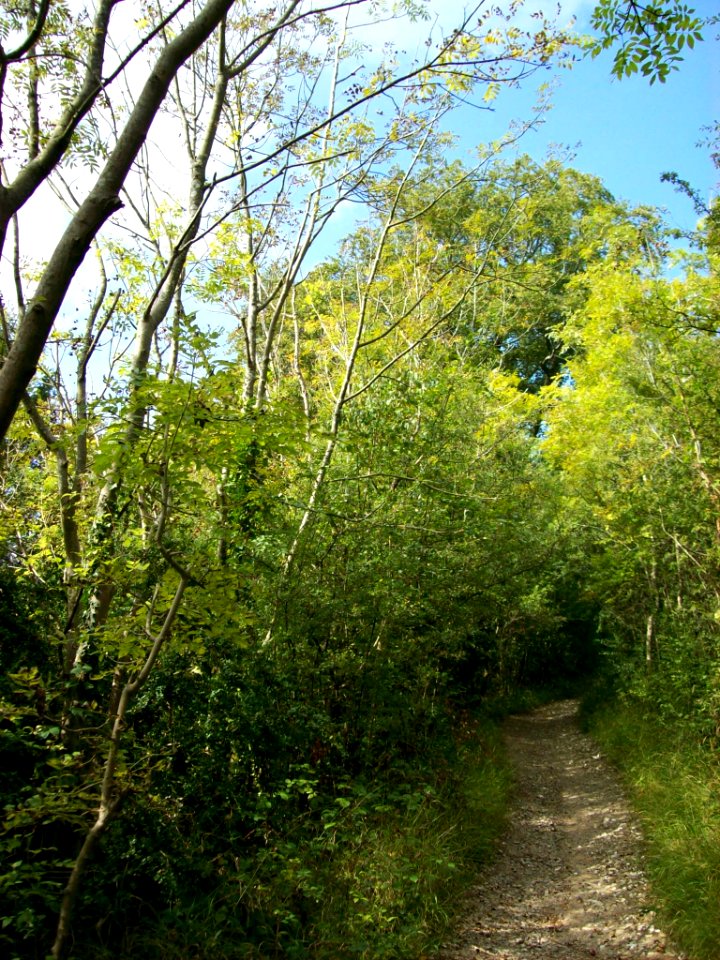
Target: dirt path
{"points": [[567, 884]]}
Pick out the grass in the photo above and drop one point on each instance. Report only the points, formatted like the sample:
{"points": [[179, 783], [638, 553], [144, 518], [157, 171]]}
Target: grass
{"points": [[674, 785], [401, 875]]}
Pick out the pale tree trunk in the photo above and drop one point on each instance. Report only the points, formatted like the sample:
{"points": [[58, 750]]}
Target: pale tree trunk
{"points": [[345, 393], [110, 800], [297, 369], [651, 619], [156, 311], [42, 161], [336, 417], [101, 202], [167, 290]]}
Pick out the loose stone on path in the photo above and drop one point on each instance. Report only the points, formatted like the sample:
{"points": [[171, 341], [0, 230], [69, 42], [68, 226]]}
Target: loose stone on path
{"points": [[567, 883]]}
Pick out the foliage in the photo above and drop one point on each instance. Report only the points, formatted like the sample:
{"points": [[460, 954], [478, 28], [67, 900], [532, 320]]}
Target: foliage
{"points": [[652, 37], [673, 783], [257, 582], [633, 434], [296, 854], [333, 619]]}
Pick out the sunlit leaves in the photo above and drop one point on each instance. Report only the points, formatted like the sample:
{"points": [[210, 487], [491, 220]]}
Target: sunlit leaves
{"points": [[633, 433], [651, 38]]}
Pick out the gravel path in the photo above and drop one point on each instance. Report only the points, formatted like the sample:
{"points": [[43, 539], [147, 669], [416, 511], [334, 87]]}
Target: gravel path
{"points": [[567, 884]]}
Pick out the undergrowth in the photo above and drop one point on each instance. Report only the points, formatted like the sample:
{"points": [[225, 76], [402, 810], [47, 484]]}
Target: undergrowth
{"points": [[373, 872], [674, 784]]}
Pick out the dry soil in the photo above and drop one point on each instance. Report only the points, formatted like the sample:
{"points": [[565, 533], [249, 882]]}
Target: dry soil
{"points": [[568, 881]]}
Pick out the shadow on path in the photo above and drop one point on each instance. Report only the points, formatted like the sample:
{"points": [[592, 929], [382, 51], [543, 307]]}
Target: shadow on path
{"points": [[567, 883]]}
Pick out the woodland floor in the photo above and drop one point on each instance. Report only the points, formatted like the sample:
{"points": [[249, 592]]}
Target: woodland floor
{"points": [[568, 881]]}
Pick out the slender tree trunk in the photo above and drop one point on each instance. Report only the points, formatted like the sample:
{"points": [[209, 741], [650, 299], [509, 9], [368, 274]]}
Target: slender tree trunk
{"points": [[102, 201], [42, 161], [651, 620], [110, 801]]}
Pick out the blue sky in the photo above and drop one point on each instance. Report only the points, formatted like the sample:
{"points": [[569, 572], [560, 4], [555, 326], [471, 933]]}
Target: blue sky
{"points": [[628, 132]]}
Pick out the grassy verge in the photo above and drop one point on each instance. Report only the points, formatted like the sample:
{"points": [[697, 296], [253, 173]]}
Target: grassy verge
{"points": [[674, 785], [373, 870], [399, 878]]}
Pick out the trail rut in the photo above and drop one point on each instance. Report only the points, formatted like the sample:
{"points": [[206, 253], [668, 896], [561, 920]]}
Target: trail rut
{"points": [[568, 881]]}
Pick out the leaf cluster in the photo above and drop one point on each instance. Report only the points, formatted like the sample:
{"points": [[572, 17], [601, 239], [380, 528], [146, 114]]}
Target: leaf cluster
{"points": [[650, 37]]}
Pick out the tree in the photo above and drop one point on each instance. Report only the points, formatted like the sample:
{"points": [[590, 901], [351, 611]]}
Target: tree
{"points": [[167, 477], [460, 56], [101, 201], [651, 36], [634, 433]]}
